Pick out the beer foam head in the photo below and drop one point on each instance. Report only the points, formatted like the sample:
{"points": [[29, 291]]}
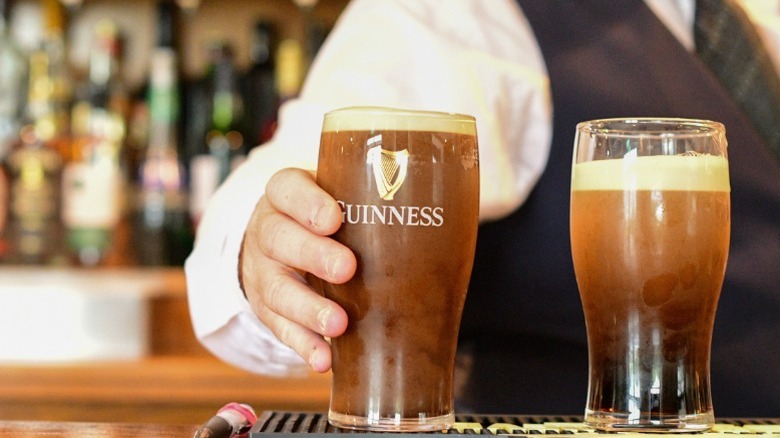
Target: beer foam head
{"points": [[660, 172], [392, 119]]}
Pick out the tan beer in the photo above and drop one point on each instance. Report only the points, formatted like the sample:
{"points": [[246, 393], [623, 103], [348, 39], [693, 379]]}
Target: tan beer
{"points": [[650, 239], [408, 185]]}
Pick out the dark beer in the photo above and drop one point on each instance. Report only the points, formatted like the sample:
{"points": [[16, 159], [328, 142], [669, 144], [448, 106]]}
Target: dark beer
{"points": [[410, 196], [650, 239]]}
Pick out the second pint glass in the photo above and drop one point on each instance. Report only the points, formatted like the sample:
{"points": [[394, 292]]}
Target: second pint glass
{"points": [[408, 186], [650, 225]]}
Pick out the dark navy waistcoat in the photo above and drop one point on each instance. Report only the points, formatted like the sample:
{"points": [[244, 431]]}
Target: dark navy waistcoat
{"points": [[523, 321]]}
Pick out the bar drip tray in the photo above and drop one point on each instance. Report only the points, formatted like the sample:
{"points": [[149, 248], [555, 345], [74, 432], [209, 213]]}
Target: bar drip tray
{"points": [[275, 424]]}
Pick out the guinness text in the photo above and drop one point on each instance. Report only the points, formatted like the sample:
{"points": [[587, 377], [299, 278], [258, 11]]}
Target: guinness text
{"points": [[392, 215]]}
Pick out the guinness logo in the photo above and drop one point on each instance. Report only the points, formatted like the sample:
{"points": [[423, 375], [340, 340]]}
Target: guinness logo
{"points": [[389, 169]]}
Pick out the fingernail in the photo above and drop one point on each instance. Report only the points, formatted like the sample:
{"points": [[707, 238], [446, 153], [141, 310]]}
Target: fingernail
{"points": [[315, 360], [322, 214], [333, 264], [323, 319]]}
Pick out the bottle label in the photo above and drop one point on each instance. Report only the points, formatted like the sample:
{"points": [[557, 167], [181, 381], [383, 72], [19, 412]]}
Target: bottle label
{"points": [[91, 195]]}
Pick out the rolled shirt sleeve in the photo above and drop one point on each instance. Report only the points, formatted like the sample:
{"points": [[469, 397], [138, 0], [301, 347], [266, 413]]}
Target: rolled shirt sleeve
{"points": [[465, 57], [415, 54]]}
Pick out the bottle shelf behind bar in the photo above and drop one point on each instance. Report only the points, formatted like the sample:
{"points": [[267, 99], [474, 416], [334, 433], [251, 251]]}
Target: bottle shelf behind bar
{"points": [[120, 119]]}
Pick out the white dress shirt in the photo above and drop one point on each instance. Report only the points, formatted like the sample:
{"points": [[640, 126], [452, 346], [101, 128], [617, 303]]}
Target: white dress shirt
{"points": [[477, 57]]}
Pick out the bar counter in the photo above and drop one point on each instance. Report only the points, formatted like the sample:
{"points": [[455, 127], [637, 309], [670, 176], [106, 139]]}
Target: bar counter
{"points": [[131, 355], [23, 429]]}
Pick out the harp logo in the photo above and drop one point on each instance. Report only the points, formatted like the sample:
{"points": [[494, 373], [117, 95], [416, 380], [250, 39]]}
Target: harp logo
{"points": [[389, 169]]}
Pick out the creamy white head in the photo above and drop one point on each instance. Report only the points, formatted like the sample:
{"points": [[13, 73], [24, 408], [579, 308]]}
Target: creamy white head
{"points": [[392, 119], [659, 172]]}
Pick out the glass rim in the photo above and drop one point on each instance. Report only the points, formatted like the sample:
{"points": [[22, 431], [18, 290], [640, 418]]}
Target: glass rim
{"points": [[640, 127], [356, 118], [398, 112]]}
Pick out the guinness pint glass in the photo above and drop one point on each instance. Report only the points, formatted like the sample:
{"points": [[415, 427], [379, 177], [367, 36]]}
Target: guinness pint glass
{"points": [[408, 186], [650, 225]]}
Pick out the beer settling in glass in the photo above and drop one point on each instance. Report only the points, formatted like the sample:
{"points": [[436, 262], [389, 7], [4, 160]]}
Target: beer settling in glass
{"points": [[650, 226], [408, 186]]}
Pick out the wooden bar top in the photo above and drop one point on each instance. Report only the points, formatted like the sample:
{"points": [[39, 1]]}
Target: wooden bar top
{"points": [[23, 429], [166, 390], [177, 383]]}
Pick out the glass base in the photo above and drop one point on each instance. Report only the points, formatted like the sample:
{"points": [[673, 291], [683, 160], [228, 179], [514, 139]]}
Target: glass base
{"points": [[392, 424], [649, 422]]}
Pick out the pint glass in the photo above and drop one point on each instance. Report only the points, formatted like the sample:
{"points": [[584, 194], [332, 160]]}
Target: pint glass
{"points": [[650, 225], [408, 186]]}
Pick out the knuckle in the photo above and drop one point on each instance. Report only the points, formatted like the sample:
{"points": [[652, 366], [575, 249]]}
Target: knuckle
{"points": [[286, 333], [280, 326], [271, 233], [273, 293], [317, 253], [264, 315], [277, 186]]}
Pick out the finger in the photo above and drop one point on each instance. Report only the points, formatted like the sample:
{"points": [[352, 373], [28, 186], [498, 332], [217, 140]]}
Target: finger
{"points": [[311, 346], [284, 291], [295, 193], [296, 315], [288, 296], [286, 241]]}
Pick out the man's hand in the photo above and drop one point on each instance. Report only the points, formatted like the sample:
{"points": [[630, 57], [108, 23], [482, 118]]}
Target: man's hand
{"points": [[285, 239]]}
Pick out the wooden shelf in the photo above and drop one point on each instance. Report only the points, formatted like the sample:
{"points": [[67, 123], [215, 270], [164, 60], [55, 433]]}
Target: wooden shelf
{"points": [[178, 382], [166, 390]]}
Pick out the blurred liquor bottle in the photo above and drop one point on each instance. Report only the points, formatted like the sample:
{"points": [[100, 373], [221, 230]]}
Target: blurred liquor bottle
{"points": [[93, 194], [314, 32], [58, 80], [35, 162], [290, 69], [224, 141], [258, 85], [34, 230], [162, 231], [214, 103], [13, 74]]}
